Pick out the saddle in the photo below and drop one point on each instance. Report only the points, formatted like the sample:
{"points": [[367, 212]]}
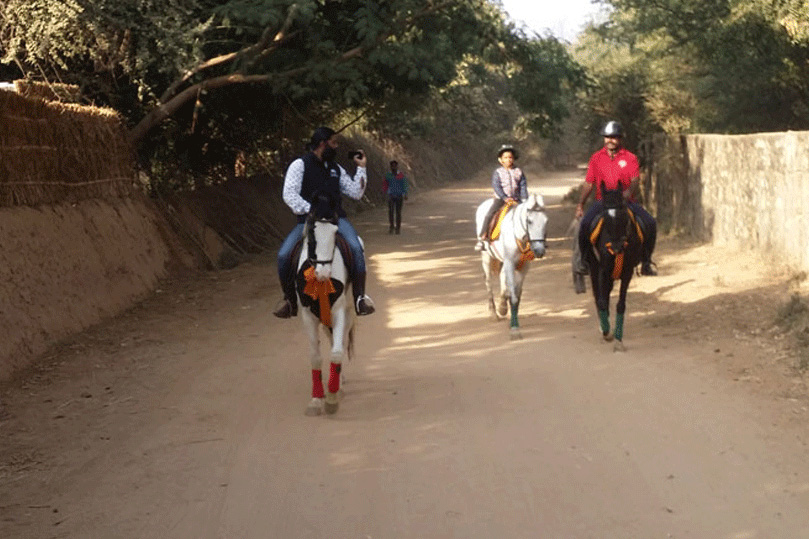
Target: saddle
{"points": [[493, 229], [598, 222]]}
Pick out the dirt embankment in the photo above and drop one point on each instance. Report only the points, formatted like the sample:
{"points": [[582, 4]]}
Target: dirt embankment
{"points": [[64, 268]]}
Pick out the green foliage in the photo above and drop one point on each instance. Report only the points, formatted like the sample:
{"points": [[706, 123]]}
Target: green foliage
{"points": [[101, 43], [709, 65], [236, 76], [544, 75]]}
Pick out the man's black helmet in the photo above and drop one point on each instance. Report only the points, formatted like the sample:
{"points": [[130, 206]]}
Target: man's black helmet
{"points": [[612, 129], [507, 148]]}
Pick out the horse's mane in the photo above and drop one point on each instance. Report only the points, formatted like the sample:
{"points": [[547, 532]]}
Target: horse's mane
{"points": [[323, 206]]}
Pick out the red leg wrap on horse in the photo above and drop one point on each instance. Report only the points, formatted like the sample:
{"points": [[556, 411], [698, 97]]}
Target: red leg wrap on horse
{"points": [[317, 384], [334, 378]]}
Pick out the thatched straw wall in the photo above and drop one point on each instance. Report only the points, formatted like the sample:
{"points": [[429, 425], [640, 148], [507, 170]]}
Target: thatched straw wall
{"points": [[51, 91], [54, 152]]}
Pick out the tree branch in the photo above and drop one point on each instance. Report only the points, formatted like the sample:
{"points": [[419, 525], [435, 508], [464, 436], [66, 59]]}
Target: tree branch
{"points": [[168, 106], [261, 47]]}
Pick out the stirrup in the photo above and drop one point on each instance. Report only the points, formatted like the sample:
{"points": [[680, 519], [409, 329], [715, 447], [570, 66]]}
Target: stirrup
{"points": [[365, 305], [480, 246]]}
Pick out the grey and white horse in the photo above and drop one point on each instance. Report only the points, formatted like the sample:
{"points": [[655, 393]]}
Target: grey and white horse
{"points": [[521, 238]]}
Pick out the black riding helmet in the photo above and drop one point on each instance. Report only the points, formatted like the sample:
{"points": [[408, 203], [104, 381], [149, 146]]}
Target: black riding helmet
{"points": [[507, 148], [612, 129]]}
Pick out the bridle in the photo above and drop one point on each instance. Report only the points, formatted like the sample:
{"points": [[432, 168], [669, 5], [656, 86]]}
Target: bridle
{"points": [[621, 243], [312, 243], [527, 236]]}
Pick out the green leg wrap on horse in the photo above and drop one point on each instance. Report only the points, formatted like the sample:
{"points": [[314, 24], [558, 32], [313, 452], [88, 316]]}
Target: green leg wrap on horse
{"points": [[604, 318], [514, 322], [619, 327]]}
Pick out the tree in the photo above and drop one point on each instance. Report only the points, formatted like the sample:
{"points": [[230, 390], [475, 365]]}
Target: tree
{"points": [[743, 65], [202, 79]]}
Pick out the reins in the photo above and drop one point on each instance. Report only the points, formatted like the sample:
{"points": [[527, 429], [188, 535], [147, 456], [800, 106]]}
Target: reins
{"points": [[312, 244]]}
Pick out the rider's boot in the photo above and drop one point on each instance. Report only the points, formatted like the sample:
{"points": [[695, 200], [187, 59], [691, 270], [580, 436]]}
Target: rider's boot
{"points": [[648, 268], [288, 306], [362, 303]]}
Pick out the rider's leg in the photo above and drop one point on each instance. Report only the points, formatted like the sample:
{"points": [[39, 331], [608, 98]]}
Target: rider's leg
{"points": [[650, 229], [362, 303], [483, 233], [498, 203], [584, 230], [288, 306]]}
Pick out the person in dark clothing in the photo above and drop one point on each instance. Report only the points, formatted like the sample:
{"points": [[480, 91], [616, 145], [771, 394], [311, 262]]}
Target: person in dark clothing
{"points": [[614, 165], [316, 172], [395, 187]]}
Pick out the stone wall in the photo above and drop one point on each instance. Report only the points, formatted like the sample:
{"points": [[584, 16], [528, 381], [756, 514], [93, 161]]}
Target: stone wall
{"points": [[750, 191]]}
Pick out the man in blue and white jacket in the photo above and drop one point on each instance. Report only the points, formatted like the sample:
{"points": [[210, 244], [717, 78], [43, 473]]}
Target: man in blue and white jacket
{"points": [[316, 172]]}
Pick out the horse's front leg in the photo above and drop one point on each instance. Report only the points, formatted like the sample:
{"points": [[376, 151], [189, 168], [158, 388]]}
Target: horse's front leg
{"points": [[512, 288], [515, 296], [339, 336], [620, 309], [312, 327], [602, 287]]}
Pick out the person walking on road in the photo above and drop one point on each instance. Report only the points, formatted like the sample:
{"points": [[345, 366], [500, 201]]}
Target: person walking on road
{"points": [[395, 187]]}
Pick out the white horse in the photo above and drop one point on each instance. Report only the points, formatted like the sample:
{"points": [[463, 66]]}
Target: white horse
{"points": [[324, 300], [522, 238]]}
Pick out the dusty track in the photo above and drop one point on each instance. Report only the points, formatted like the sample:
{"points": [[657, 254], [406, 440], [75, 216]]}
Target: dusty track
{"points": [[184, 417]]}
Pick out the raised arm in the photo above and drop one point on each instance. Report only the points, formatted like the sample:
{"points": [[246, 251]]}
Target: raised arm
{"points": [[353, 187]]}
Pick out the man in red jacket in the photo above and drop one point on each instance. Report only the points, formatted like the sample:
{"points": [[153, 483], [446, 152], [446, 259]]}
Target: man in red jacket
{"points": [[614, 165]]}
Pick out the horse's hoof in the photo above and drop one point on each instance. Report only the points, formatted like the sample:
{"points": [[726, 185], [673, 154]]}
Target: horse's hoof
{"points": [[608, 337], [315, 407], [618, 347], [515, 334], [578, 283], [331, 403]]}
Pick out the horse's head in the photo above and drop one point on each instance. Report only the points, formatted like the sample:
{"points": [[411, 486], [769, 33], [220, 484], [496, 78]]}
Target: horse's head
{"points": [[616, 229], [535, 222], [321, 233]]}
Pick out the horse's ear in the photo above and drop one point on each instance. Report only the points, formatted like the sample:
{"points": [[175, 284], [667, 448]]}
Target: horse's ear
{"points": [[536, 201]]}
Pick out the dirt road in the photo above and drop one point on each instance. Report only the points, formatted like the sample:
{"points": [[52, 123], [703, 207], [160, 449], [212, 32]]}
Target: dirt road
{"points": [[184, 418]]}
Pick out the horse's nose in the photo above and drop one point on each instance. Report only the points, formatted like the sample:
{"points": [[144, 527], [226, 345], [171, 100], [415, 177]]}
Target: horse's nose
{"points": [[538, 247], [322, 273]]}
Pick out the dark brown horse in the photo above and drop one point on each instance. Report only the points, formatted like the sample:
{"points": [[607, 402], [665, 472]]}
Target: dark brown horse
{"points": [[616, 241]]}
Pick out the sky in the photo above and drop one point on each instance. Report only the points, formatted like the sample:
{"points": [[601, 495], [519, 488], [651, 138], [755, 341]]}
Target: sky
{"points": [[564, 18]]}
